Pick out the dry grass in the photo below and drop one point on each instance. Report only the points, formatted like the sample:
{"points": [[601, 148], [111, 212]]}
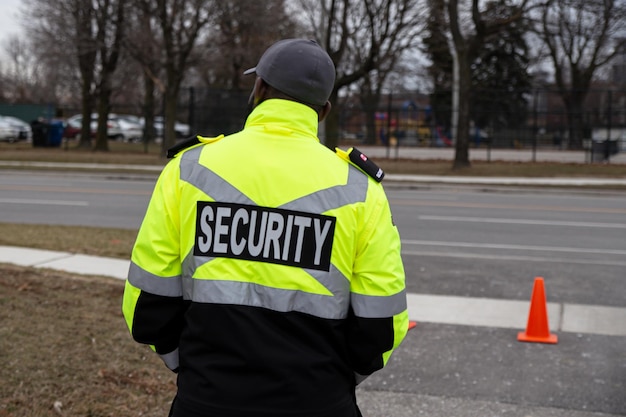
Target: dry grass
{"points": [[97, 241], [503, 169], [126, 153], [63, 341], [119, 153]]}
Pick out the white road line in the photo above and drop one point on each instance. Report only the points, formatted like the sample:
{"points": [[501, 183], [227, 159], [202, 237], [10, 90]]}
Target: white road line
{"points": [[515, 258], [44, 202], [513, 247], [523, 221]]}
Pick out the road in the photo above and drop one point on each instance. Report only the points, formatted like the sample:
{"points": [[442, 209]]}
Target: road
{"points": [[475, 249]]}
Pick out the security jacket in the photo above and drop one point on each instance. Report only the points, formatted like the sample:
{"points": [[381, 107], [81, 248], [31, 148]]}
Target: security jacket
{"points": [[267, 272]]}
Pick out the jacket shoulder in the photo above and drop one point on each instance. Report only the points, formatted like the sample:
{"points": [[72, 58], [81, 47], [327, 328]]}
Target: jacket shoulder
{"points": [[361, 161], [191, 142]]}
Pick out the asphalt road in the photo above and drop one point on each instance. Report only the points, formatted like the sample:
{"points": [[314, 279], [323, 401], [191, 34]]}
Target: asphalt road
{"points": [[474, 243]]}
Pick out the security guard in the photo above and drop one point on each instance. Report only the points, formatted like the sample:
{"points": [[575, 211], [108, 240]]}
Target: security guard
{"points": [[267, 270]]}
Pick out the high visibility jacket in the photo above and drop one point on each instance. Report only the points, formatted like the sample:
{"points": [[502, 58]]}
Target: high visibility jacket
{"points": [[267, 272]]}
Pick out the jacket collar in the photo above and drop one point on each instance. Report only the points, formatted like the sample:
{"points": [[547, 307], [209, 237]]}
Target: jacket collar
{"points": [[287, 116]]}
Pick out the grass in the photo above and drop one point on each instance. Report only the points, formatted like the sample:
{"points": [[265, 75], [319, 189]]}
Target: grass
{"points": [[97, 241], [65, 350], [119, 153], [503, 169]]}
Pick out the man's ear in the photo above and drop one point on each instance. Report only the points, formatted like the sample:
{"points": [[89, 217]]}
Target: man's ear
{"points": [[260, 91], [324, 112]]}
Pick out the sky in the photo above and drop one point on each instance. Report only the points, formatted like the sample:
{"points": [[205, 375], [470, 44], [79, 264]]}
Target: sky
{"points": [[10, 23]]}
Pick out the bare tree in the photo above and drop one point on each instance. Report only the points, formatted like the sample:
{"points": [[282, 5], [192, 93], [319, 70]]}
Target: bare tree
{"points": [[468, 32], [64, 28], [33, 73], [109, 19], [92, 30], [581, 36], [246, 29], [181, 23], [19, 69], [395, 49], [362, 37], [145, 45]]}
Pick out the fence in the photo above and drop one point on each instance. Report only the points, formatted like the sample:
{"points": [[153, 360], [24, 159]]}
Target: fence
{"points": [[536, 120], [539, 120]]}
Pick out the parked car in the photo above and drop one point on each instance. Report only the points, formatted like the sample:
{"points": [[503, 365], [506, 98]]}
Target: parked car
{"points": [[182, 130], [8, 133], [24, 131], [73, 127], [118, 128], [128, 129]]}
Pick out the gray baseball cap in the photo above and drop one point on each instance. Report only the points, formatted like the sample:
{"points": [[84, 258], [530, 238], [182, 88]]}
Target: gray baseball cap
{"points": [[299, 68]]}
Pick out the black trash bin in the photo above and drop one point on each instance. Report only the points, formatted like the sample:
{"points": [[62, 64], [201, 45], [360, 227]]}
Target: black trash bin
{"points": [[47, 133], [40, 133]]}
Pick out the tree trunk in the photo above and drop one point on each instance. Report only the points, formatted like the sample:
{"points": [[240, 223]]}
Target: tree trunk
{"points": [[87, 107], [461, 156], [332, 124], [102, 139], [149, 104], [169, 116]]}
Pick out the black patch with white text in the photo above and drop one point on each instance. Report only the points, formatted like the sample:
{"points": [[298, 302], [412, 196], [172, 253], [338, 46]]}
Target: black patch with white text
{"points": [[264, 234], [359, 159]]}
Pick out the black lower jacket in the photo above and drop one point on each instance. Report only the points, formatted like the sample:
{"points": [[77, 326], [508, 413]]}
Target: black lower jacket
{"points": [[242, 361]]}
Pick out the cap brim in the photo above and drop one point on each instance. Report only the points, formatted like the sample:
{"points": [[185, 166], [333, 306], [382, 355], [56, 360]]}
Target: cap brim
{"points": [[249, 71]]}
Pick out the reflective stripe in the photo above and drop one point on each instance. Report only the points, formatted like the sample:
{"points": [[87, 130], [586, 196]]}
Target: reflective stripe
{"points": [[334, 281], [321, 201], [171, 359], [154, 284], [257, 295], [208, 181], [253, 294], [376, 306]]}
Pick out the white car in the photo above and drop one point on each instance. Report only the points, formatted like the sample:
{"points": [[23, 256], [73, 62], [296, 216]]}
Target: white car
{"points": [[182, 130], [118, 128], [8, 132], [25, 132], [127, 129]]}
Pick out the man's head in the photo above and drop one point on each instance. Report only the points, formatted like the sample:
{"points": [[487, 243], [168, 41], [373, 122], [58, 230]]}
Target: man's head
{"points": [[299, 69]]}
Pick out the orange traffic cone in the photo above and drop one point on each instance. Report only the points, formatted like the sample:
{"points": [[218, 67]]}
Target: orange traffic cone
{"points": [[412, 324], [537, 329]]}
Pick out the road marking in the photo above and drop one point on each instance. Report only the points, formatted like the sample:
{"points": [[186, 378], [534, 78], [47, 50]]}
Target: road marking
{"points": [[44, 202], [72, 189], [513, 247], [514, 258], [573, 209], [523, 221]]}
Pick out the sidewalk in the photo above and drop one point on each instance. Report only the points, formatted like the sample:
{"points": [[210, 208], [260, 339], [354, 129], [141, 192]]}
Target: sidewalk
{"points": [[485, 312]]}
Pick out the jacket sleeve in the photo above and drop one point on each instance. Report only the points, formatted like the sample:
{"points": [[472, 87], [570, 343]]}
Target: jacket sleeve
{"points": [[378, 318], [153, 305]]}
